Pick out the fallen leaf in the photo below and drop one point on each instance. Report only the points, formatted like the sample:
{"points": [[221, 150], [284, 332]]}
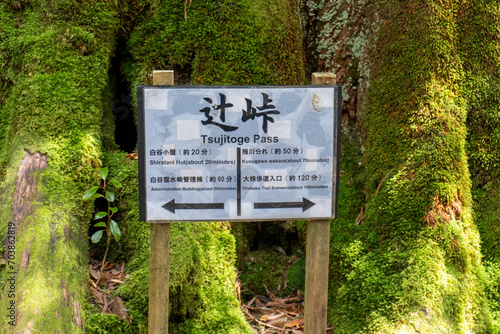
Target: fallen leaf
{"points": [[94, 273], [272, 317], [294, 323], [279, 305], [117, 307], [277, 322]]}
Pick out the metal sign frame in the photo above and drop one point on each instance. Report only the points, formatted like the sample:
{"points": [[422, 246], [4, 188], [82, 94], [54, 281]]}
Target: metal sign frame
{"points": [[208, 117]]}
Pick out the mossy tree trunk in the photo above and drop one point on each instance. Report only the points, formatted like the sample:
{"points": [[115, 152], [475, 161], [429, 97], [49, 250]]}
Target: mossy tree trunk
{"points": [[56, 58], [424, 256], [413, 72], [405, 250], [220, 42], [480, 52]]}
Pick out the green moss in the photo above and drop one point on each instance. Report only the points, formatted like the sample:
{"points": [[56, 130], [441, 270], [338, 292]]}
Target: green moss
{"points": [[53, 107], [224, 42], [202, 258], [268, 270], [101, 323], [270, 257], [8, 31], [481, 54], [414, 261], [53, 100], [52, 230], [202, 277], [345, 247]]}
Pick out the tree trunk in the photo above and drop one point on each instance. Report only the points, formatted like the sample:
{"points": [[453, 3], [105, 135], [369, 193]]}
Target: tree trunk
{"points": [[221, 42], [481, 87], [57, 56], [409, 259]]}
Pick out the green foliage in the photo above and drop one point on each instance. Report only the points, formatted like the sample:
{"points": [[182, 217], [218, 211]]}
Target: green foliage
{"points": [[110, 226]]}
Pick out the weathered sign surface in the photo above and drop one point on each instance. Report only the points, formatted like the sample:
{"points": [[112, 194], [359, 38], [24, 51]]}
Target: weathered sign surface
{"points": [[238, 153]]}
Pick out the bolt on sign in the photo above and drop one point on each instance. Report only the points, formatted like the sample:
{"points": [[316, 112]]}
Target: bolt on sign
{"points": [[238, 153]]}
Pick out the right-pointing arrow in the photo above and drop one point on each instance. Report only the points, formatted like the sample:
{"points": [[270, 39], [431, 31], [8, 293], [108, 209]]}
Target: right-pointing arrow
{"points": [[305, 204]]}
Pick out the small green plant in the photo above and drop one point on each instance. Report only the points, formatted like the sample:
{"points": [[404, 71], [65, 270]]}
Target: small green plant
{"points": [[110, 226]]}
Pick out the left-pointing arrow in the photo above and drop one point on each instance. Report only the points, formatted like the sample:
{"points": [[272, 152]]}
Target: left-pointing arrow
{"points": [[172, 206]]}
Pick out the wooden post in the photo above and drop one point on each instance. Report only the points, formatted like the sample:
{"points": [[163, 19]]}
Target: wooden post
{"points": [[317, 257], [163, 78], [159, 254]]}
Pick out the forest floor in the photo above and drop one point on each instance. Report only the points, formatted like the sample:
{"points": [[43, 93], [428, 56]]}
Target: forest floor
{"points": [[113, 275], [271, 314], [265, 314]]}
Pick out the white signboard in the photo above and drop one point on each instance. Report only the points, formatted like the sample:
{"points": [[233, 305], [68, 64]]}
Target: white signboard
{"points": [[238, 153]]}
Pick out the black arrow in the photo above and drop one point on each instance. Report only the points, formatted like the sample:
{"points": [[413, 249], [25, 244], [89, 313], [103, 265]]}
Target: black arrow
{"points": [[305, 204], [172, 206]]}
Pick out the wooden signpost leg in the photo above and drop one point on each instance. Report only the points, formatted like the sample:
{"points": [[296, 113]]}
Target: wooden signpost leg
{"points": [[316, 293], [159, 254], [159, 272], [317, 258]]}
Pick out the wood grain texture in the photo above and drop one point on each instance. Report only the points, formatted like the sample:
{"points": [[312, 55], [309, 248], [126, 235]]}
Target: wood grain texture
{"points": [[163, 78], [159, 254], [159, 272], [326, 78], [317, 257], [316, 290]]}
